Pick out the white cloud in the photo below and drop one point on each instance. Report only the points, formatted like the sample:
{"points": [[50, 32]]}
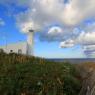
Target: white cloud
{"points": [[55, 31], [2, 23], [73, 13], [86, 38], [89, 50], [67, 44], [43, 13], [25, 21], [87, 41]]}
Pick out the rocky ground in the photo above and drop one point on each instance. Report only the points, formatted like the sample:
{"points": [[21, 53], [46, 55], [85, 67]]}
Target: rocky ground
{"points": [[87, 72]]}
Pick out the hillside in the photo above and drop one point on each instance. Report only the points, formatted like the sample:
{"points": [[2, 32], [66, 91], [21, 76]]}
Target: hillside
{"points": [[87, 71], [24, 75]]}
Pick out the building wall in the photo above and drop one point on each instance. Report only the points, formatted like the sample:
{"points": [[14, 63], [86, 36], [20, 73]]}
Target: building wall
{"points": [[15, 47]]}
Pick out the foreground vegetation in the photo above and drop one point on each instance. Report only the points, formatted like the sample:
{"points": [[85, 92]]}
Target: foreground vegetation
{"points": [[23, 75]]}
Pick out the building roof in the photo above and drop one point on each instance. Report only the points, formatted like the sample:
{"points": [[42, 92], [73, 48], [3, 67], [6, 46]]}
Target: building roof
{"points": [[16, 43]]}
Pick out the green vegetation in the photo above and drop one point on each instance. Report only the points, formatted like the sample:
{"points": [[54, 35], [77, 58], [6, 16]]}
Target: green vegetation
{"points": [[22, 75]]}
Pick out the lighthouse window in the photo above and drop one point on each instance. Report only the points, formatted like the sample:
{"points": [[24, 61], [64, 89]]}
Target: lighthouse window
{"points": [[11, 51], [19, 51]]}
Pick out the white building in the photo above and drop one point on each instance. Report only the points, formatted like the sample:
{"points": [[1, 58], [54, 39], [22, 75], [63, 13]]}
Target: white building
{"points": [[20, 47]]}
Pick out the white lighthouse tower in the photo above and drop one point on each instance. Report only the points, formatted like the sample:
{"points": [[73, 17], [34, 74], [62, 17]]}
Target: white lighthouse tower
{"points": [[30, 42]]}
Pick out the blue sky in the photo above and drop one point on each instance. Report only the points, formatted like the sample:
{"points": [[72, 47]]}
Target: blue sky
{"points": [[61, 42]]}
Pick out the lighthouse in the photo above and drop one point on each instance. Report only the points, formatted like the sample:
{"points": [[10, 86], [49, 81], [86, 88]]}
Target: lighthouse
{"points": [[30, 42]]}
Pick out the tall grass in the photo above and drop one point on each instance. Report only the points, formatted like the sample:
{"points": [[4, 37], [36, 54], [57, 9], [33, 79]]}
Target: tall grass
{"points": [[23, 75]]}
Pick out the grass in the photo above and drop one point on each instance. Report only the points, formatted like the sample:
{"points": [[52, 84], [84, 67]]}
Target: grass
{"points": [[23, 75]]}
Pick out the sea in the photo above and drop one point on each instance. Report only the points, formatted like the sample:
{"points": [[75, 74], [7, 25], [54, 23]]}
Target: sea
{"points": [[72, 60]]}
